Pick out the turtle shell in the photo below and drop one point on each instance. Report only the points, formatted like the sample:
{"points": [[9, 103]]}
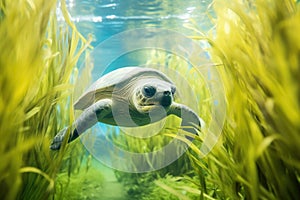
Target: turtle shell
{"points": [[104, 86]]}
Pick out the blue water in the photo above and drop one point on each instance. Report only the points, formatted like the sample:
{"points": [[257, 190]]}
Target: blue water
{"points": [[105, 18]]}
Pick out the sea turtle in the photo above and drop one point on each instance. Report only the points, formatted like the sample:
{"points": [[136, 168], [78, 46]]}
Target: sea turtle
{"points": [[128, 97]]}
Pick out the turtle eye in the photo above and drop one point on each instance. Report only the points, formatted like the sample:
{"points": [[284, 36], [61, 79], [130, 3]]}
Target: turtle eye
{"points": [[173, 90], [149, 91]]}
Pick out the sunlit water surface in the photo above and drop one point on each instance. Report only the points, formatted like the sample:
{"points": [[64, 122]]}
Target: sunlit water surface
{"points": [[105, 18]]}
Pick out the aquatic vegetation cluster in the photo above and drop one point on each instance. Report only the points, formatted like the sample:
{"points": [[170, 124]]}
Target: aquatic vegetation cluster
{"points": [[256, 49], [37, 65], [256, 42], [84, 183]]}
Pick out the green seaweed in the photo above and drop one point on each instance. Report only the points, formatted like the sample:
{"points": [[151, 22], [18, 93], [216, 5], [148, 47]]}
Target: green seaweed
{"points": [[84, 183], [257, 46], [37, 63], [261, 75]]}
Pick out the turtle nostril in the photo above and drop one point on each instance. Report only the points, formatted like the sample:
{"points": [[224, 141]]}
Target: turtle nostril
{"points": [[167, 93]]}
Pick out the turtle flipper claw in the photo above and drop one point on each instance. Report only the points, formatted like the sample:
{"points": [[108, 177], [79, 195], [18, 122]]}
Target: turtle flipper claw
{"points": [[58, 139]]}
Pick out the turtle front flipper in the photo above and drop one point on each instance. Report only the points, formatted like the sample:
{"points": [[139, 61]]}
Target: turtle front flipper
{"points": [[190, 120], [88, 118], [60, 137]]}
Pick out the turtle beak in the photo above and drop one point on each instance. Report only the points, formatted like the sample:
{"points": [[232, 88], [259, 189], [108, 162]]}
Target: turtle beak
{"points": [[166, 100]]}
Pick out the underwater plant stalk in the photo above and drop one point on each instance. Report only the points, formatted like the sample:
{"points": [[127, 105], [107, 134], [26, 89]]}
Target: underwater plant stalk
{"points": [[258, 45], [37, 63]]}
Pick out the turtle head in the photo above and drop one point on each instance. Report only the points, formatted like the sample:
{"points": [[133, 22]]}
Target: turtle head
{"points": [[152, 94]]}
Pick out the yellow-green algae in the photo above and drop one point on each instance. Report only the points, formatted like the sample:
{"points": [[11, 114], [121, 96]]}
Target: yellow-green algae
{"points": [[256, 49], [257, 43], [37, 61]]}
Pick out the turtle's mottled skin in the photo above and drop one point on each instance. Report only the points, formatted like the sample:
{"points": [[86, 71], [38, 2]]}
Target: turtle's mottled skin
{"points": [[129, 97]]}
